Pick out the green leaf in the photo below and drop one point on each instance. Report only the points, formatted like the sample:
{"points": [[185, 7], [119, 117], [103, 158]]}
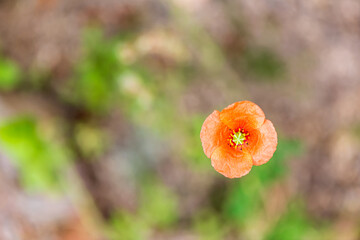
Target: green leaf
{"points": [[192, 149], [9, 75], [209, 227], [126, 226], [293, 225], [39, 160], [159, 205], [242, 200], [244, 196], [276, 167], [264, 63], [94, 83]]}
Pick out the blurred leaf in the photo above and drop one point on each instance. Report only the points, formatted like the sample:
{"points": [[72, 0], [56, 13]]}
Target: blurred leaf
{"points": [[136, 95], [90, 139], [263, 63], [277, 167], [38, 77], [355, 130], [209, 227], [294, 225], [242, 201], [9, 75], [193, 149], [126, 226], [94, 84], [244, 197], [39, 160], [159, 206]]}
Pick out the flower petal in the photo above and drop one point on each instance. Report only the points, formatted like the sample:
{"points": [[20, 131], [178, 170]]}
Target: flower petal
{"points": [[231, 163], [213, 133], [262, 143], [243, 114]]}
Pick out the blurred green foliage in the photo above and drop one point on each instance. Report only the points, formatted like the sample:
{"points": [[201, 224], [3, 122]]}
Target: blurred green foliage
{"points": [[10, 74], [245, 197], [209, 226], [297, 225], [158, 205], [294, 224], [94, 82], [192, 149], [91, 140], [263, 64], [355, 129], [158, 209], [277, 166], [127, 226], [40, 161]]}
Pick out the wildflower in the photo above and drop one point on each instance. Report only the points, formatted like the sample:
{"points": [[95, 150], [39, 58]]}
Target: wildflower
{"points": [[237, 138]]}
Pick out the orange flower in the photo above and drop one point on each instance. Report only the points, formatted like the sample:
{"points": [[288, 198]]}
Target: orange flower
{"points": [[237, 138]]}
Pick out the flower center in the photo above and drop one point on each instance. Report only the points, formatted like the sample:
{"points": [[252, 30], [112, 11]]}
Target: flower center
{"points": [[238, 138]]}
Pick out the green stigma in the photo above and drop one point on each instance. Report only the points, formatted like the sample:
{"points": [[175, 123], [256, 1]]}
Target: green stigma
{"points": [[239, 138]]}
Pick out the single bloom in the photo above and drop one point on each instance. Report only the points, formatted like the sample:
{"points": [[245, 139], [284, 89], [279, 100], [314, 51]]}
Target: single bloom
{"points": [[237, 138]]}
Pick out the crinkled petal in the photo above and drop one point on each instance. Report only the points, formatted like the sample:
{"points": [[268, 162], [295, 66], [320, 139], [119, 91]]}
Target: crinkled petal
{"points": [[231, 163], [244, 114], [262, 143], [213, 133]]}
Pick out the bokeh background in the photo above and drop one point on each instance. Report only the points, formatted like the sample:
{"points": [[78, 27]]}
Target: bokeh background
{"points": [[102, 101]]}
